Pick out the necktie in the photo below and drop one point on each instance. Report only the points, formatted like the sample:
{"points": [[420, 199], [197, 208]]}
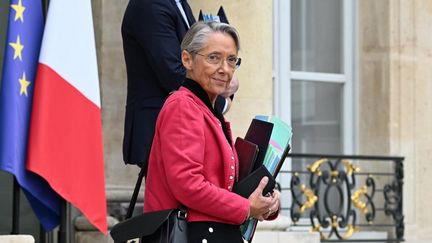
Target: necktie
{"points": [[179, 5]]}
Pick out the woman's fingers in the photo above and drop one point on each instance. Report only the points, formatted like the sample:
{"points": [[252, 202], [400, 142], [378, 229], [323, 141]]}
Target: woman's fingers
{"points": [[259, 204]]}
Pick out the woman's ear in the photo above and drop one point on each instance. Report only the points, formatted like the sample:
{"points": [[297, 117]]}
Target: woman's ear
{"points": [[186, 60]]}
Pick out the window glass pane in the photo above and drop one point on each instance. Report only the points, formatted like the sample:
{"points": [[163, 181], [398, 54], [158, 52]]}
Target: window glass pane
{"points": [[316, 117], [317, 35]]}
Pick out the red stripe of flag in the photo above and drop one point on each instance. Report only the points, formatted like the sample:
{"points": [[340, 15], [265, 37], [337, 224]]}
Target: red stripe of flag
{"points": [[65, 144]]}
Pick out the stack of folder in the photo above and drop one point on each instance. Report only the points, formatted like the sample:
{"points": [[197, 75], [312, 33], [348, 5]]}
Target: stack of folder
{"points": [[219, 17], [261, 153]]}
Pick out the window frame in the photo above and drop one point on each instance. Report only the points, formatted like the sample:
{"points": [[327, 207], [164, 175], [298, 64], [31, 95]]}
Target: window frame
{"points": [[283, 75]]}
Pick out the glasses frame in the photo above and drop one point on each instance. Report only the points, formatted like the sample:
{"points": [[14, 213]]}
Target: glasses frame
{"points": [[236, 66]]}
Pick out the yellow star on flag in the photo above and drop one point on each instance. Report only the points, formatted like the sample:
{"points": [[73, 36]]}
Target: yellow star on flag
{"points": [[19, 11], [24, 85], [18, 48]]}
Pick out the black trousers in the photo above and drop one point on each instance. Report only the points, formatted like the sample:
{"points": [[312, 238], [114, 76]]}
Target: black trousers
{"points": [[213, 232]]}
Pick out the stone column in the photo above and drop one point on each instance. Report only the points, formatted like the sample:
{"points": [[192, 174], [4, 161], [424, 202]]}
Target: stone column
{"points": [[395, 59], [108, 15]]}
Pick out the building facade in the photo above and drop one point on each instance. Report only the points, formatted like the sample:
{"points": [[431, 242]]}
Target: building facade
{"points": [[350, 76]]}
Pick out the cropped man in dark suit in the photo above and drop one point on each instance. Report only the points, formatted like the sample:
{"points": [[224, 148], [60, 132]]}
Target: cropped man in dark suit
{"points": [[152, 32]]}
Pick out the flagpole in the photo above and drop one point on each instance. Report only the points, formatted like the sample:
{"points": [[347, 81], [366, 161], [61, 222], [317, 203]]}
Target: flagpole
{"points": [[42, 232], [45, 4], [63, 222], [15, 207]]}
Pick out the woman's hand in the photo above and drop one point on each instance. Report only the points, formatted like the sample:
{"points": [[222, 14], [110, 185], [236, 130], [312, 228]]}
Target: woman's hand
{"points": [[261, 205], [274, 205]]}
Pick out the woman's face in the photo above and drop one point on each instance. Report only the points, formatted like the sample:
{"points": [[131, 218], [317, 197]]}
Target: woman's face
{"points": [[213, 77]]}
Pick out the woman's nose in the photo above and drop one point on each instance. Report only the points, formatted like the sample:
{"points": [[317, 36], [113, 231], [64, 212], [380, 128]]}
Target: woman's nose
{"points": [[223, 66]]}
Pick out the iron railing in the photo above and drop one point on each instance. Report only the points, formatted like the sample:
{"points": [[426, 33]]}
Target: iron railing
{"points": [[340, 196]]}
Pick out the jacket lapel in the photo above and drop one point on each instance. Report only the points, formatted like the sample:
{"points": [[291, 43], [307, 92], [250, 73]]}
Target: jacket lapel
{"points": [[188, 12]]}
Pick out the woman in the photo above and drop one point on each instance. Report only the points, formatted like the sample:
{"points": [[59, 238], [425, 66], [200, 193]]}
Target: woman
{"points": [[192, 161]]}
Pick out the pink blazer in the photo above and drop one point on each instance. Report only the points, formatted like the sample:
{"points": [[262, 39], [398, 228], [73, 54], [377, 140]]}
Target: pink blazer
{"points": [[192, 164]]}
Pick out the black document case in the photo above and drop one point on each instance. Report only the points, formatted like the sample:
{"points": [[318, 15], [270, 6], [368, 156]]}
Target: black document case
{"points": [[248, 185], [247, 153], [259, 133]]}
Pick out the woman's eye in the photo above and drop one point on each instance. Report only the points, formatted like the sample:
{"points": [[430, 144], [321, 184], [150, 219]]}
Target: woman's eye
{"points": [[232, 59], [213, 57]]}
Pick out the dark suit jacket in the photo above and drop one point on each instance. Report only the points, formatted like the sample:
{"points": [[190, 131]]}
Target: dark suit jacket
{"points": [[152, 32]]}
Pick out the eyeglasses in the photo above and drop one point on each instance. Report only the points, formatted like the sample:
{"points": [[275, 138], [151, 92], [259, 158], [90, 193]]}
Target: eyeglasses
{"points": [[216, 59]]}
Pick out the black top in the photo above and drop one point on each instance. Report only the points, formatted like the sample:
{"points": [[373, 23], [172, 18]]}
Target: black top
{"points": [[196, 88]]}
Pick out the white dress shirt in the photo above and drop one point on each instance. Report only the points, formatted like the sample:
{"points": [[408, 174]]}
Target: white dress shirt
{"points": [[179, 5]]}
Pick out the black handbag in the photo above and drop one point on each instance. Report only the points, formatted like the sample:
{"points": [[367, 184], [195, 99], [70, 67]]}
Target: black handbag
{"points": [[166, 226]]}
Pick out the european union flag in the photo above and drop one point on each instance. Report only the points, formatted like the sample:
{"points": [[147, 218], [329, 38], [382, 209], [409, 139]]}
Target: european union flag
{"points": [[26, 24]]}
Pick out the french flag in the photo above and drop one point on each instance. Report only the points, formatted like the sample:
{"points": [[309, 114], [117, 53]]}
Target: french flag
{"points": [[65, 141]]}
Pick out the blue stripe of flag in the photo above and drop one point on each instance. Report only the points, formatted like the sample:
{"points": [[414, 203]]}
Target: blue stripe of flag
{"points": [[16, 93]]}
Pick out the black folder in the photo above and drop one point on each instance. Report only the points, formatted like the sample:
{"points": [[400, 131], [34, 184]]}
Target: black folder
{"points": [[282, 160], [259, 133], [221, 14], [248, 185], [247, 153]]}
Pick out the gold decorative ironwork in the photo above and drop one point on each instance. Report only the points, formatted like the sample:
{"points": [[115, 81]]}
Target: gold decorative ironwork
{"points": [[316, 228], [315, 167], [330, 182], [350, 167], [311, 198], [355, 198], [350, 231], [334, 173], [334, 222], [350, 228]]}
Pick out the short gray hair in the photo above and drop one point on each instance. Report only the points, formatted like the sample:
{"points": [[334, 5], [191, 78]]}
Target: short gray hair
{"points": [[196, 38]]}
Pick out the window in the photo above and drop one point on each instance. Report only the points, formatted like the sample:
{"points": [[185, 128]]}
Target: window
{"points": [[313, 76]]}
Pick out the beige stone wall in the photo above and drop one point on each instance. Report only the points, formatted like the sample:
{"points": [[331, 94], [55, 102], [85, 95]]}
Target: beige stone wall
{"points": [[421, 110], [395, 80], [253, 20], [112, 74], [374, 77], [395, 86]]}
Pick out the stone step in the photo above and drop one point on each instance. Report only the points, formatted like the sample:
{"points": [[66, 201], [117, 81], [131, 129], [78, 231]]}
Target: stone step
{"points": [[16, 239], [285, 237]]}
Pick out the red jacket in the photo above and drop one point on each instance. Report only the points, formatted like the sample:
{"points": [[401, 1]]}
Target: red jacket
{"points": [[192, 164]]}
